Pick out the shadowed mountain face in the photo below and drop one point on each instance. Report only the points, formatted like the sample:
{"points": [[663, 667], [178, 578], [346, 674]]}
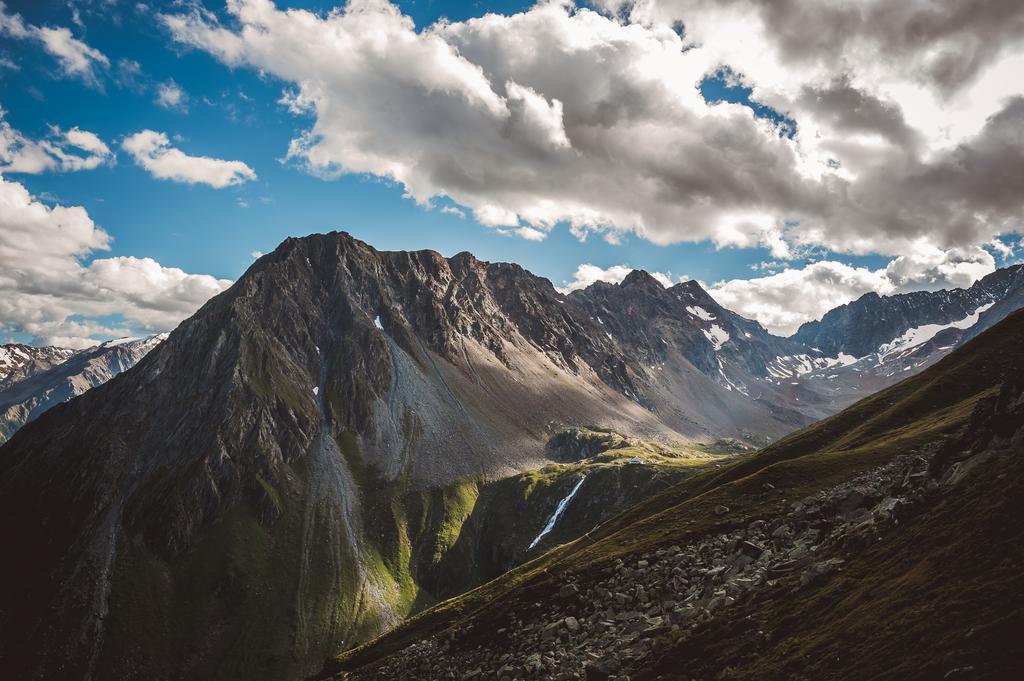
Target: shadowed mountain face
{"points": [[291, 470]]}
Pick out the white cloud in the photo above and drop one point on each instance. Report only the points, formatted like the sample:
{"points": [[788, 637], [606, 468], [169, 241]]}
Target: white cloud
{"points": [[587, 274], [50, 288], [76, 59], [1004, 249], [783, 301], [153, 151], [62, 150], [891, 155], [529, 233], [474, 111], [169, 95]]}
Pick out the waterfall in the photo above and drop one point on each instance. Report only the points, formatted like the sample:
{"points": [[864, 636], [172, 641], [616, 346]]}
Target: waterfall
{"points": [[558, 513]]}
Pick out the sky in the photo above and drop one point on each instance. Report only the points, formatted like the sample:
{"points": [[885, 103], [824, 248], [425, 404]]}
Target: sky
{"points": [[791, 156]]}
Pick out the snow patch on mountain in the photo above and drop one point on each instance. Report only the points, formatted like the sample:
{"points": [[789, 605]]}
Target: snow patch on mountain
{"points": [[717, 335], [922, 334], [21, 361], [789, 366], [700, 313], [28, 394]]}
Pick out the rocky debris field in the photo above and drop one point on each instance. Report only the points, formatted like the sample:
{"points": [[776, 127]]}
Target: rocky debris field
{"points": [[608, 628]]}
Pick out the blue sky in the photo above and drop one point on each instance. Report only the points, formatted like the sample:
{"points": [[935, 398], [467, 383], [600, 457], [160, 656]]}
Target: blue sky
{"points": [[233, 112]]}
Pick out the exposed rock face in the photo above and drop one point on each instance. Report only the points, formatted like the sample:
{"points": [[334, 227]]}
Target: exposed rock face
{"points": [[26, 399], [18, 362], [996, 429], [574, 444]]}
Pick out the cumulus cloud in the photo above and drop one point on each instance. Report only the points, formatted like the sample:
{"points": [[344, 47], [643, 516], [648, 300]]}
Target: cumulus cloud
{"points": [[785, 300], [51, 289], [615, 139], [169, 95], [75, 58], [153, 151], [892, 155], [61, 150], [587, 274], [945, 46]]}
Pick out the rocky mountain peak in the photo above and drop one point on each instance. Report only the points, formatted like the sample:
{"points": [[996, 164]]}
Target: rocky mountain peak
{"points": [[641, 278], [692, 289]]}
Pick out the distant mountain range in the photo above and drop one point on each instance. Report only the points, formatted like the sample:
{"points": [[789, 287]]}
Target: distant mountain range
{"points": [[873, 323], [55, 375], [346, 436], [18, 362]]}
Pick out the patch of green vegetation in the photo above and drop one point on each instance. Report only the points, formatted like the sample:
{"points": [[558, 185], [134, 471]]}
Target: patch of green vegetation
{"points": [[348, 445], [458, 501]]}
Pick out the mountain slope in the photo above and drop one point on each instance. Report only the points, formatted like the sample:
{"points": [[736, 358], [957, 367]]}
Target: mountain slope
{"points": [[27, 398], [788, 562], [661, 329], [284, 475]]}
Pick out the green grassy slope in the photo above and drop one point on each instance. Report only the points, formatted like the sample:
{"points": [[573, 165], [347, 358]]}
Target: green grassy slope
{"points": [[918, 412]]}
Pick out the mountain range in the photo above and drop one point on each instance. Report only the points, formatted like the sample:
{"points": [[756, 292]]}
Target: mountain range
{"points": [[645, 329], [347, 437], [39, 384], [18, 362]]}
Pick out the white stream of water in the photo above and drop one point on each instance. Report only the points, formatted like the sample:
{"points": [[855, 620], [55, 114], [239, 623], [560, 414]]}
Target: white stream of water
{"points": [[558, 512]]}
